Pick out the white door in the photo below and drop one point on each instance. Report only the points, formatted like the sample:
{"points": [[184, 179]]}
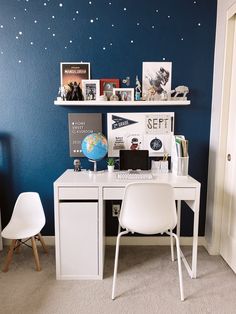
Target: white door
{"points": [[228, 227]]}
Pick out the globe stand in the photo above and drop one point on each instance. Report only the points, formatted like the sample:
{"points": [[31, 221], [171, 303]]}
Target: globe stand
{"points": [[94, 165]]}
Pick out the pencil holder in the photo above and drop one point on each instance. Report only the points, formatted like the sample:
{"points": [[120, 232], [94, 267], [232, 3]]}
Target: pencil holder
{"points": [[160, 166], [163, 166], [182, 166]]}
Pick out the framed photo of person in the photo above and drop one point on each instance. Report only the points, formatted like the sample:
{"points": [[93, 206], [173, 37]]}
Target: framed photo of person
{"points": [[156, 77], [124, 94], [91, 89], [72, 72], [107, 85]]}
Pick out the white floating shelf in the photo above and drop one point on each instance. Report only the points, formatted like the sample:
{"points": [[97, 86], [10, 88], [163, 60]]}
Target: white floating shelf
{"points": [[122, 103]]}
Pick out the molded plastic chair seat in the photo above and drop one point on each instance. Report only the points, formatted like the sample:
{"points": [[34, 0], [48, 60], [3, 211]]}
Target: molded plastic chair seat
{"points": [[27, 221], [148, 208]]}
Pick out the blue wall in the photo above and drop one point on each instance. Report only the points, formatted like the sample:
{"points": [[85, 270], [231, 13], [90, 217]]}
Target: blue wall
{"points": [[34, 148]]}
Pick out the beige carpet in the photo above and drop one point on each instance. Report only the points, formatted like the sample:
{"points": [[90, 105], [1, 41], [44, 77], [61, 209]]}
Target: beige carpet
{"points": [[147, 283]]}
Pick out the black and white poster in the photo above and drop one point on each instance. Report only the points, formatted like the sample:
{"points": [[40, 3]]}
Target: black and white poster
{"points": [[150, 130], [80, 125]]}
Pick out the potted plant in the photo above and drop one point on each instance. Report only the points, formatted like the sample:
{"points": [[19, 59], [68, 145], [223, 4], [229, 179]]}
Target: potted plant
{"points": [[110, 164]]}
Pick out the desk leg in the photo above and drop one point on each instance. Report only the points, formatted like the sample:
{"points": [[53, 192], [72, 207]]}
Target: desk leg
{"points": [[195, 233], [178, 218]]}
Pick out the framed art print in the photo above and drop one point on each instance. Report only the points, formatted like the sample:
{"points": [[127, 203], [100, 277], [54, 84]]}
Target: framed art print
{"points": [[72, 72], [157, 75], [91, 89], [107, 85]]}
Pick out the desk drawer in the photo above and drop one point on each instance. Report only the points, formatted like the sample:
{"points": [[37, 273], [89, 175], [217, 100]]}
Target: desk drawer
{"points": [[113, 193], [186, 194], [78, 193]]}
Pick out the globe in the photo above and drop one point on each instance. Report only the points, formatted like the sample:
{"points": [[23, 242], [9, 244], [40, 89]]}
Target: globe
{"points": [[94, 147]]}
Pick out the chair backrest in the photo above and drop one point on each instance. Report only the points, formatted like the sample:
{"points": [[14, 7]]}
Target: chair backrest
{"points": [[28, 208], [148, 208]]}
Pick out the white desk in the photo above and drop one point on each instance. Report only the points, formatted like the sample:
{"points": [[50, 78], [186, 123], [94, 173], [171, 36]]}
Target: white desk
{"points": [[79, 199]]}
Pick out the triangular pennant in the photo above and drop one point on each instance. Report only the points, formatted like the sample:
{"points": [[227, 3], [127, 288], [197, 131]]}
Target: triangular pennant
{"points": [[120, 122]]}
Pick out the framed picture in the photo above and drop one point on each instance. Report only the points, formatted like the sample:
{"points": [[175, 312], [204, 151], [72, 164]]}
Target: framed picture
{"points": [[107, 85], [156, 78], [124, 94], [90, 89], [74, 72]]}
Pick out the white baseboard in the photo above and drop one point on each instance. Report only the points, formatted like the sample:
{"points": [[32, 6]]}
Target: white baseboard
{"points": [[50, 240]]}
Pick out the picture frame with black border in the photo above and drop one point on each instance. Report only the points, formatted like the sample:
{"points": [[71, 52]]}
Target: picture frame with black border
{"points": [[91, 90], [124, 94]]}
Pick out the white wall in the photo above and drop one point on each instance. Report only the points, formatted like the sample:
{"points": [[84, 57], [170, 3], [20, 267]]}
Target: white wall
{"points": [[216, 156]]}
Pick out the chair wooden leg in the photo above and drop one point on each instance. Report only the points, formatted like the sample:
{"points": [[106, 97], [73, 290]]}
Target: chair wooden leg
{"points": [[43, 243], [18, 245], [9, 256], [36, 256]]}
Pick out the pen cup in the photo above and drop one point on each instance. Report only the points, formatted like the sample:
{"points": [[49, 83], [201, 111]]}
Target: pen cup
{"points": [[160, 166], [182, 169], [164, 166]]}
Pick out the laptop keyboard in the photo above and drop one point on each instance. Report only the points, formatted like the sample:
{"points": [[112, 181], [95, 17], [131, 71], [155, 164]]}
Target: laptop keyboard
{"points": [[135, 175]]}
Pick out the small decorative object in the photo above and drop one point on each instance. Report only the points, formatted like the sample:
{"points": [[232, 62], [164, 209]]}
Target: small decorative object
{"points": [[126, 81], [59, 93], [107, 85], [164, 95], [114, 98], [151, 94], [111, 164], [91, 89], [134, 144], [137, 89], [180, 91], [77, 165], [103, 98], [124, 94]]}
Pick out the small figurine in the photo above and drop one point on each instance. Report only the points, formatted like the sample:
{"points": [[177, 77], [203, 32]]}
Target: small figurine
{"points": [[114, 98], [180, 90], [137, 89], [61, 93], [126, 81], [77, 165], [134, 144], [151, 94], [164, 95]]}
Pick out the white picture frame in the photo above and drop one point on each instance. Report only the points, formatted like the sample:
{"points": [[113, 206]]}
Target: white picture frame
{"points": [[124, 94], [91, 90], [157, 75]]}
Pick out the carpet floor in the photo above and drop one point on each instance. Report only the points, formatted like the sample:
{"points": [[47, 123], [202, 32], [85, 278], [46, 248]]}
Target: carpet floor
{"points": [[147, 282]]}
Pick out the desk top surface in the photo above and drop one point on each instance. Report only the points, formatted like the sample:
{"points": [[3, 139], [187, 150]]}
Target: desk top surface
{"points": [[109, 179]]}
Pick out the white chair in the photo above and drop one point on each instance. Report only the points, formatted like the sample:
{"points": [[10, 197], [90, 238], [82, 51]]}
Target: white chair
{"points": [[26, 222], [148, 208]]}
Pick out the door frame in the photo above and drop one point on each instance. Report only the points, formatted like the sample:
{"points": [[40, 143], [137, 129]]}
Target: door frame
{"points": [[219, 122]]}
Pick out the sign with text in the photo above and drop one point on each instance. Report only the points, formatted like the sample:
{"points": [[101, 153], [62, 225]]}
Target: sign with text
{"points": [[80, 125], [150, 130]]}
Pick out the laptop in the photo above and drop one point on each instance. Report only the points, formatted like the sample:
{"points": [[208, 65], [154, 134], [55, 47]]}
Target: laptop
{"points": [[134, 160]]}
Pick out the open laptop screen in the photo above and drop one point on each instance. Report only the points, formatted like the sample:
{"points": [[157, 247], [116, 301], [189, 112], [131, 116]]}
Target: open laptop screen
{"points": [[134, 159]]}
